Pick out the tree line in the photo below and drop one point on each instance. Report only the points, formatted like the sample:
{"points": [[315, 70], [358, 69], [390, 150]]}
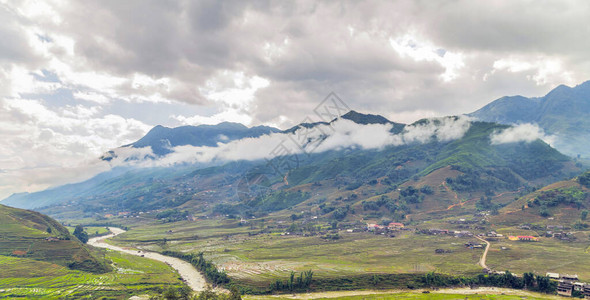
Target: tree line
{"points": [[302, 282], [207, 267], [528, 281]]}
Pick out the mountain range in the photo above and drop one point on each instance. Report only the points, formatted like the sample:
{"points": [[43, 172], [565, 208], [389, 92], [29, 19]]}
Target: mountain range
{"points": [[563, 112], [468, 164], [362, 158]]}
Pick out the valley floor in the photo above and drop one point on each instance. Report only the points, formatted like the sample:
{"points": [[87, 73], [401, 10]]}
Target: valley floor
{"points": [[258, 259]]}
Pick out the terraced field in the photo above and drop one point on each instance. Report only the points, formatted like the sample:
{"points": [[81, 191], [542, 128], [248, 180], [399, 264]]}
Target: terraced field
{"points": [[24, 277]]}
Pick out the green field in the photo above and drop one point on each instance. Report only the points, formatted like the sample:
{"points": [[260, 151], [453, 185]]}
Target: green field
{"points": [[258, 259], [548, 255], [132, 275]]}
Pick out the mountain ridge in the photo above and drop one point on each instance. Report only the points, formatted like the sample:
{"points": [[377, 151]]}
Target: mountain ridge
{"points": [[506, 166], [561, 112]]}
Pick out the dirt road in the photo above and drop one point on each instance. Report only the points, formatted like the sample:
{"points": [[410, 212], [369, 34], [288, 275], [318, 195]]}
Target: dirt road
{"points": [[193, 278], [482, 260]]}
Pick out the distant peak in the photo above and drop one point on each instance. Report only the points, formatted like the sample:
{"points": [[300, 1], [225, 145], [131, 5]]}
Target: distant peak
{"points": [[158, 128], [361, 118]]}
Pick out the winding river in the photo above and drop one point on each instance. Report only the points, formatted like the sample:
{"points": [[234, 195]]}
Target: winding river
{"points": [[193, 278]]}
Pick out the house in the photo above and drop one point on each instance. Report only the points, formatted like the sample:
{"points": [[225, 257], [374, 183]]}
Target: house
{"points": [[373, 227], [395, 226], [552, 275], [472, 245], [569, 283], [19, 253], [565, 288], [555, 227], [438, 231], [569, 277], [51, 239], [462, 233]]}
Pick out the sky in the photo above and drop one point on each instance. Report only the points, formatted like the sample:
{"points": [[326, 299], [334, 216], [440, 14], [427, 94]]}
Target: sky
{"points": [[78, 78]]}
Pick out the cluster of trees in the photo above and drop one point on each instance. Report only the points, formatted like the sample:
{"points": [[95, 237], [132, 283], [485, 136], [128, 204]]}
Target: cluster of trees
{"points": [[302, 282], [81, 234], [412, 194], [568, 196], [584, 179], [477, 180], [485, 203], [407, 196], [172, 215], [207, 267], [341, 212], [528, 281]]}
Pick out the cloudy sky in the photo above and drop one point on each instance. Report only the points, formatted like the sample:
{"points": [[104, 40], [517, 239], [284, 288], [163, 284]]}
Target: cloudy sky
{"points": [[80, 77]]}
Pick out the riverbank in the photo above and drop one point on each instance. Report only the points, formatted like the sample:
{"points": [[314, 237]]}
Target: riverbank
{"points": [[193, 278]]}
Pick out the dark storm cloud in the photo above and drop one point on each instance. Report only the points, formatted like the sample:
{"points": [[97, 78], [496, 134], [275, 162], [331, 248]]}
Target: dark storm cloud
{"points": [[310, 48]]}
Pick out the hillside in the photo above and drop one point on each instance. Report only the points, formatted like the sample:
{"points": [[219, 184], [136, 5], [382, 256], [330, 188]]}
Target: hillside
{"points": [[562, 112], [31, 235], [564, 202], [477, 167]]}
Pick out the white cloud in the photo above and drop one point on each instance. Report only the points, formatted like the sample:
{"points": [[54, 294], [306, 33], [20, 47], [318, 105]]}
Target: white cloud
{"points": [[43, 146], [91, 96], [544, 70], [336, 136], [520, 133], [409, 45], [230, 114]]}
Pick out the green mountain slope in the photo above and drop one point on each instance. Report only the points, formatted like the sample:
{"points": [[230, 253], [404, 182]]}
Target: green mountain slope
{"points": [[480, 167], [35, 236], [564, 202]]}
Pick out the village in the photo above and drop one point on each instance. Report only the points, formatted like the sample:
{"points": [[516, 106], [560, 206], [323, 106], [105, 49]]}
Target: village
{"points": [[567, 285]]}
